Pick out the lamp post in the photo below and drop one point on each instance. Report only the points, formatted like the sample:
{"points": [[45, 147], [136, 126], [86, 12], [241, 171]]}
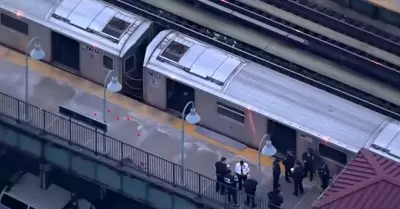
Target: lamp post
{"points": [[37, 54], [268, 150], [191, 118], [114, 86]]}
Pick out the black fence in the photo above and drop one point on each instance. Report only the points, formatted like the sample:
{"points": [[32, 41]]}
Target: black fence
{"points": [[90, 139]]}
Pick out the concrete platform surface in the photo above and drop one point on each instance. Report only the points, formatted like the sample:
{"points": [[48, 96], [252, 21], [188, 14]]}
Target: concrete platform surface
{"points": [[135, 123]]}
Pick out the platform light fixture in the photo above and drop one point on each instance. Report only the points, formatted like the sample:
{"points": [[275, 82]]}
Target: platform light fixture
{"points": [[113, 86], [37, 54], [192, 118]]}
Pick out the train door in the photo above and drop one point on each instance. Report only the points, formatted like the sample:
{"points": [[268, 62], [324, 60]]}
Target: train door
{"points": [[178, 95], [282, 137], [65, 52]]}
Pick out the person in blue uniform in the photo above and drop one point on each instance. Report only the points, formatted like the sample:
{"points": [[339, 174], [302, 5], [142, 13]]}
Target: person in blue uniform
{"points": [[276, 173], [308, 160], [288, 162], [230, 183], [323, 173], [275, 199], [298, 175], [250, 187], [221, 169]]}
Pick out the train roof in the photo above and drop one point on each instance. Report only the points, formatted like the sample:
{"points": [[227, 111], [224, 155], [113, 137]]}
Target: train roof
{"points": [[267, 92], [387, 142], [106, 27]]}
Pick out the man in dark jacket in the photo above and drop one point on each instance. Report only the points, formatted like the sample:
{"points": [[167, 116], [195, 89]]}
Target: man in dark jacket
{"points": [[230, 183], [221, 169], [298, 175], [250, 187], [288, 162], [308, 160], [275, 199], [276, 173], [324, 175]]}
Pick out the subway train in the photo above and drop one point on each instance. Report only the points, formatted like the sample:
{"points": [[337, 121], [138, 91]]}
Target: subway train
{"points": [[234, 96]]}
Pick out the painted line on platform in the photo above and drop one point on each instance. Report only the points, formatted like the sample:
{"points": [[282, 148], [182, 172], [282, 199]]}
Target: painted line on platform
{"points": [[62, 76]]}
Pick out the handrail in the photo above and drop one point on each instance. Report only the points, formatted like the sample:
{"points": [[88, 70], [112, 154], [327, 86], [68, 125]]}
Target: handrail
{"points": [[89, 139]]}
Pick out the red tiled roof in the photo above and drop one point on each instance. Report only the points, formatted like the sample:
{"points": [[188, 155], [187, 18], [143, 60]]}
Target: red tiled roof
{"points": [[369, 181]]}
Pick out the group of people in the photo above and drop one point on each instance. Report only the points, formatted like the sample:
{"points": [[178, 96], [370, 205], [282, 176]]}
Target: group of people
{"points": [[229, 182], [297, 170]]}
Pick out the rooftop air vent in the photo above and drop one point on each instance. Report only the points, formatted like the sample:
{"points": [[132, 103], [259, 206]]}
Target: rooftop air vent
{"points": [[116, 27], [174, 51]]}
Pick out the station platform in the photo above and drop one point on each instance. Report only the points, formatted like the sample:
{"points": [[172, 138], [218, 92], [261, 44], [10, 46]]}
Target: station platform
{"points": [[278, 48], [136, 124]]}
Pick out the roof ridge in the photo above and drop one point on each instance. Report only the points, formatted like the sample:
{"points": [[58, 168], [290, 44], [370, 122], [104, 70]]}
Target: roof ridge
{"points": [[372, 160]]}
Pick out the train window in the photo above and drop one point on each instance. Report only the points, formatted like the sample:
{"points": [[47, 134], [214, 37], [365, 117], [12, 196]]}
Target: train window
{"points": [[230, 112], [13, 203], [108, 62], [129, 65], [14, 24], [332, 153]]}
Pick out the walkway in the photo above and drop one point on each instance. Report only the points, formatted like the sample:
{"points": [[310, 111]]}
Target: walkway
{"points": [[134, 123], [277, 48]]}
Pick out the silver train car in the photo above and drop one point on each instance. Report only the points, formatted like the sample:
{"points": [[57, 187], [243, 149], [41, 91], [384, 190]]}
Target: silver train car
{"points": [[85, 37], [244, 100]]}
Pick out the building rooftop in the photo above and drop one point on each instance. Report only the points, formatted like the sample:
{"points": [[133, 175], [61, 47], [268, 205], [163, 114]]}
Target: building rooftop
{"points": [[370, 180]]}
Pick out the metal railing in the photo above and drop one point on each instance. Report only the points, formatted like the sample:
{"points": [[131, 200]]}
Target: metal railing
{"points": [[89, 139]]}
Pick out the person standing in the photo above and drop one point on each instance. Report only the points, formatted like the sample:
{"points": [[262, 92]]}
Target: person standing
{"points": [[276, 173], [308, 160], [298, 175], [324, 175], [250, 187], [288, 162], [275, 199], [242, 169], [221, 169], [230, 182]]}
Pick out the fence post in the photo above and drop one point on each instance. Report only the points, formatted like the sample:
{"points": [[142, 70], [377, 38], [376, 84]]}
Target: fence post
{"points": [[199, 179], [122, 153], [70, 131], [147, 163], [44, 120], [173, 175], [18, 118], [95, 142]]}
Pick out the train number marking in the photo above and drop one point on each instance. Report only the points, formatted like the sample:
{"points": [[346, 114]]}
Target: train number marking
{"points": [[154, 79]]}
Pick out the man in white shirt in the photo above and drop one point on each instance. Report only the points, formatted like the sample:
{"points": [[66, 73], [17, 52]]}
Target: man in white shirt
{"points": [[241, 170]]}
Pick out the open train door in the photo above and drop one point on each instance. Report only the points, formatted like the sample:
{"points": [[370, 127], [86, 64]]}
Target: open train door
{"points": [[282, 137], [178, 95], [65, 52]]}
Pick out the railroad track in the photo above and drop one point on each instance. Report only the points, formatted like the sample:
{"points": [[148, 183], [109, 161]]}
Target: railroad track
{"points": [[171, 21], [340, 23], [318, 44]]}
